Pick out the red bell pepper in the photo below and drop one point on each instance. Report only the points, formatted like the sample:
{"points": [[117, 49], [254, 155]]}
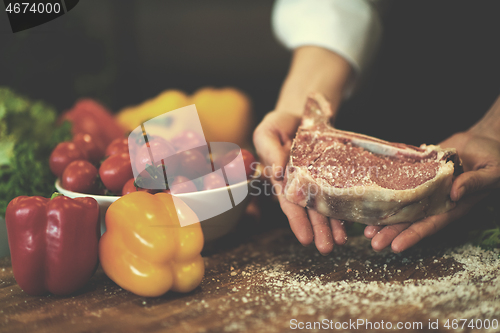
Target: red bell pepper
{"points": [[53, 242]]}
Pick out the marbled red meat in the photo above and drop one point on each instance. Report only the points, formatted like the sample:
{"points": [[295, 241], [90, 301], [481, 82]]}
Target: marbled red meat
{"points": [[354, 177]]}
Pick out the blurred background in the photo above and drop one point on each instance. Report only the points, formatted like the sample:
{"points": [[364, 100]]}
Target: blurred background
{"points": [[436, 73]]}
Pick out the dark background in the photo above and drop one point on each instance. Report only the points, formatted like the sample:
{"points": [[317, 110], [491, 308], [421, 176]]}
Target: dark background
{"points": [[437, 71]]}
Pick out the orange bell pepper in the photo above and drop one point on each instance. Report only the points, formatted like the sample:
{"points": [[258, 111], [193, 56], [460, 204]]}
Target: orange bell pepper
{"points": [[146, 251]]}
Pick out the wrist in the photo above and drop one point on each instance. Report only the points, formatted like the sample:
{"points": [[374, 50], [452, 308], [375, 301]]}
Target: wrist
{"points": [[489, 125], [313, 69], [486, 130]]}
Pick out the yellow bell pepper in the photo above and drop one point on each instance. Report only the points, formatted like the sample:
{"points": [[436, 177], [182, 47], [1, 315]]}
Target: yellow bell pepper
{"points": [[169, 100], [225, 113], [146, 251]]}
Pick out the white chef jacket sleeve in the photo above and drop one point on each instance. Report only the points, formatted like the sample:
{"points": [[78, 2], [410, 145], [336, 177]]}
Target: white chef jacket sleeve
{"points": [[350, 28]]}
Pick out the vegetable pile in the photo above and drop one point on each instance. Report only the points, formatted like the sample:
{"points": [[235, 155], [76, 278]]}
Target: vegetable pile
{"points": [[100, 160], [86, 148]]}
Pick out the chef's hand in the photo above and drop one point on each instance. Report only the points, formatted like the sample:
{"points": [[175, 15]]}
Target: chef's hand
{"points": [[313, 69], [273, 139], [479, 150]]}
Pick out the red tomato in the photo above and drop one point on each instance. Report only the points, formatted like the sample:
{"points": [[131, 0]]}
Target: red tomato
{"points": [[119, 145], [182, 184], [64, 154], [88, 145], [193, 164], [159, 148], [212, 181], [188, 140], [115, 171], [232, 160], [80, 176], [129, 187], [89, 116]]}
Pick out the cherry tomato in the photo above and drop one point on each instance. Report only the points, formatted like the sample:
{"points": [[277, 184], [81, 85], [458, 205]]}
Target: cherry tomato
{"points": [[129, 187], [80, 176], [115, 171], [64, 154], [160, 149], [89, 116], [212, 181], [88, 145], [188, 140], [182, 184], [231, 162], [193, 164], [119, 145]]}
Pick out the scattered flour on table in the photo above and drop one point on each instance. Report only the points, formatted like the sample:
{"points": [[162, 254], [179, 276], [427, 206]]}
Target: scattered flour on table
{"points": [[473, 292]]}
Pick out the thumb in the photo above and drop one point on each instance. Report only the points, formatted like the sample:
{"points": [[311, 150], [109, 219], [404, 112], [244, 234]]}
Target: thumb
{"points": [[474, 181], [271, 152]]}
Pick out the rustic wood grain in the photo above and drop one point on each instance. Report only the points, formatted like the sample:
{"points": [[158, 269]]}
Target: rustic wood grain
{"points": [[233, 275]]}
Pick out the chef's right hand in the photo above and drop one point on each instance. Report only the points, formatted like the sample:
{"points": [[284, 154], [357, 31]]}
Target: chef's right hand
{"points": [[273, 140]]}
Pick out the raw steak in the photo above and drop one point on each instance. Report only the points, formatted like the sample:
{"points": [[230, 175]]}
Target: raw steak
{"points": [[354, 177]]}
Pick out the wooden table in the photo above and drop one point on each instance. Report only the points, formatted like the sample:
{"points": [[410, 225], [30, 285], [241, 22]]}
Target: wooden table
{"points": [[246, 288]]}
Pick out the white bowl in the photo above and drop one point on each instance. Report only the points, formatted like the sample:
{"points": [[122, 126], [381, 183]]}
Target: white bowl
{"points": [[213, 228]]}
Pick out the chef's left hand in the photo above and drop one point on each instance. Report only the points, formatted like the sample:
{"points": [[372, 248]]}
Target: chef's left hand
{"points": [[480, 155]]}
